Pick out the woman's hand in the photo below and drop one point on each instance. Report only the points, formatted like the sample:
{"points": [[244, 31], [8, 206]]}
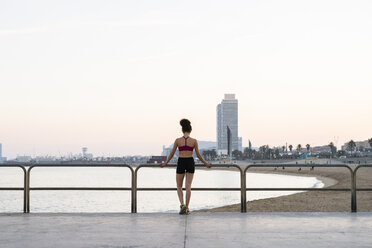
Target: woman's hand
{"points": [[208, 165], [163, 164]]}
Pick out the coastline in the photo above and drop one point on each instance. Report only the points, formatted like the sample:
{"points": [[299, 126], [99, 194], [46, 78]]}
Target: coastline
{"points": [[309, 201]]}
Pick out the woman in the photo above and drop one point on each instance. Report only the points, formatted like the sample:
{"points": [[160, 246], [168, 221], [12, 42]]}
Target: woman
{"points": [[185, 164]]}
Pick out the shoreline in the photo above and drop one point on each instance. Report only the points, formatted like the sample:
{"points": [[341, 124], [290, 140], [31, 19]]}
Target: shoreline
{"points": [[327, 181], [310, 201]]}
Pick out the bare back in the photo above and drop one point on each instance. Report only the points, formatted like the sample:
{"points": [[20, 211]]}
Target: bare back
{"points": [[182, 142]]}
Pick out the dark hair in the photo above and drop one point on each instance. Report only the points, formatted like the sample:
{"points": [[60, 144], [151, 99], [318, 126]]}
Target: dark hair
{"points": [[186, 125]]}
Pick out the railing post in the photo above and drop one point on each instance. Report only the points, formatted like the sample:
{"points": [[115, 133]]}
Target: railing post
{"points": [[243, 191], [28, 188], [353, 191], [133, 209], [24, 190], [134, 191]]}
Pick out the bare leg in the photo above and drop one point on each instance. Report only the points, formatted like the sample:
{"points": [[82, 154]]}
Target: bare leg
{"points": [[179, 179], [189, 177]]}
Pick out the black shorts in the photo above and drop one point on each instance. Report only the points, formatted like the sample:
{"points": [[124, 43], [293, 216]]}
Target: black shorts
{"points": [[185, 165]]}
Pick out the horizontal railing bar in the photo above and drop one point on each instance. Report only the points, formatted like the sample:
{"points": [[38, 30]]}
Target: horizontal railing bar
{"points": [[364, 189], [79, 188], [250, 189], [82, 165], [196, 165], [175, 165], [194, 189], [4, 188], [198, 189], [297, 165], [297, 189]]}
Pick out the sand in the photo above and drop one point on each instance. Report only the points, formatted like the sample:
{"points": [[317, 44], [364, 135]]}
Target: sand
{"points": [[312, 201]]}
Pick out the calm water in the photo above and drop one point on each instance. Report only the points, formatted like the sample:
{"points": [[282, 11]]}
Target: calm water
{"points": [[119, 201]]}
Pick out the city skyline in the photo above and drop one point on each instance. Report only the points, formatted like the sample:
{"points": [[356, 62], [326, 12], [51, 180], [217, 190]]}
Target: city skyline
{"points": [[117, 77]]}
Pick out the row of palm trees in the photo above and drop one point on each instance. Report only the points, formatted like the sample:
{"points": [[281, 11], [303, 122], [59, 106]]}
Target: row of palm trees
{"points": [[299, 147], [265, 152]]}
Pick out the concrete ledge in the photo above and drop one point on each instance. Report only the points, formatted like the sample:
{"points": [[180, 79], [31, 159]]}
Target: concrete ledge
{"points": [[196, 230]]}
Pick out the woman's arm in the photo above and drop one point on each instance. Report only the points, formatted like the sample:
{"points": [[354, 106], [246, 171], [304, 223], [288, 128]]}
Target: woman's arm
{"points": [[171, 154], [200, 156]]}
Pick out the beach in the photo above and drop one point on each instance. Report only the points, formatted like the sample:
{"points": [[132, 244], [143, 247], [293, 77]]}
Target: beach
{"points": [[312, 201]]}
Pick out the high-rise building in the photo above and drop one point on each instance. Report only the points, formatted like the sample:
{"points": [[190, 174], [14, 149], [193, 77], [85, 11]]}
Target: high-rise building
{"points": [[227, 121], [240, 144], [2, 159]]}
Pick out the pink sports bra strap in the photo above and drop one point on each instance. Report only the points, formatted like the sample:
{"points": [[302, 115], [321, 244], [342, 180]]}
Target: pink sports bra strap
{"points": [[185, 147]]}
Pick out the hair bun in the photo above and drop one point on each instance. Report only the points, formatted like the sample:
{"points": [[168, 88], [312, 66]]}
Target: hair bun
{"points": [[186, 125], [185, 122]]}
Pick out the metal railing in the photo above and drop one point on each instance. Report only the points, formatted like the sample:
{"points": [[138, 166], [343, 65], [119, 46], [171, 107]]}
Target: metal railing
{"points": [[134, 180], [18, 188], [79, 188], [351, 189], [194, 189]]}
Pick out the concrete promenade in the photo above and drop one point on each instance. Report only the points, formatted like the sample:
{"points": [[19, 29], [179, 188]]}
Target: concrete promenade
{"points": [[196, 230]]}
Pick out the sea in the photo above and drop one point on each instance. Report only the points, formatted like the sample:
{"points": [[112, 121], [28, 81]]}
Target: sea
{"points": [[148, 201]]}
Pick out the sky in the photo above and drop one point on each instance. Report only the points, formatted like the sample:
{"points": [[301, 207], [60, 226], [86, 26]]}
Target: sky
{"points": [[117, 76]]}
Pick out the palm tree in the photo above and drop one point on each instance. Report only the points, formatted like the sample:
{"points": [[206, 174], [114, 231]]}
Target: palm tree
{"points": [[332, 146], [262, 150], [283, 148], [351, 146], [290, 148], [299, 148], [308, 147], [277, 152], [247, 152], [370, 142], [237, 154]]}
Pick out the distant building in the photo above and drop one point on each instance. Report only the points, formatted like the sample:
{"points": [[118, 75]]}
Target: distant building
{"points": [[359, 145], [240, 144], [166, 150], [157, 159], [227, 123], [41, 159], [2, 159], [319, 149], [86, 155], [23, 159]]}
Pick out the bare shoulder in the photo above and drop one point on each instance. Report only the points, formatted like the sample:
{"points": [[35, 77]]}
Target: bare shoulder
{"points": [[177, 141]]}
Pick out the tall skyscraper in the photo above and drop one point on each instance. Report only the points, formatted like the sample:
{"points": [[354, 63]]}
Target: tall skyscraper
{"points": [[227, 119]]}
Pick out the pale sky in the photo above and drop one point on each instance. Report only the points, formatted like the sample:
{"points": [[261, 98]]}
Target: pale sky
{"points": [[117, 76]]}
